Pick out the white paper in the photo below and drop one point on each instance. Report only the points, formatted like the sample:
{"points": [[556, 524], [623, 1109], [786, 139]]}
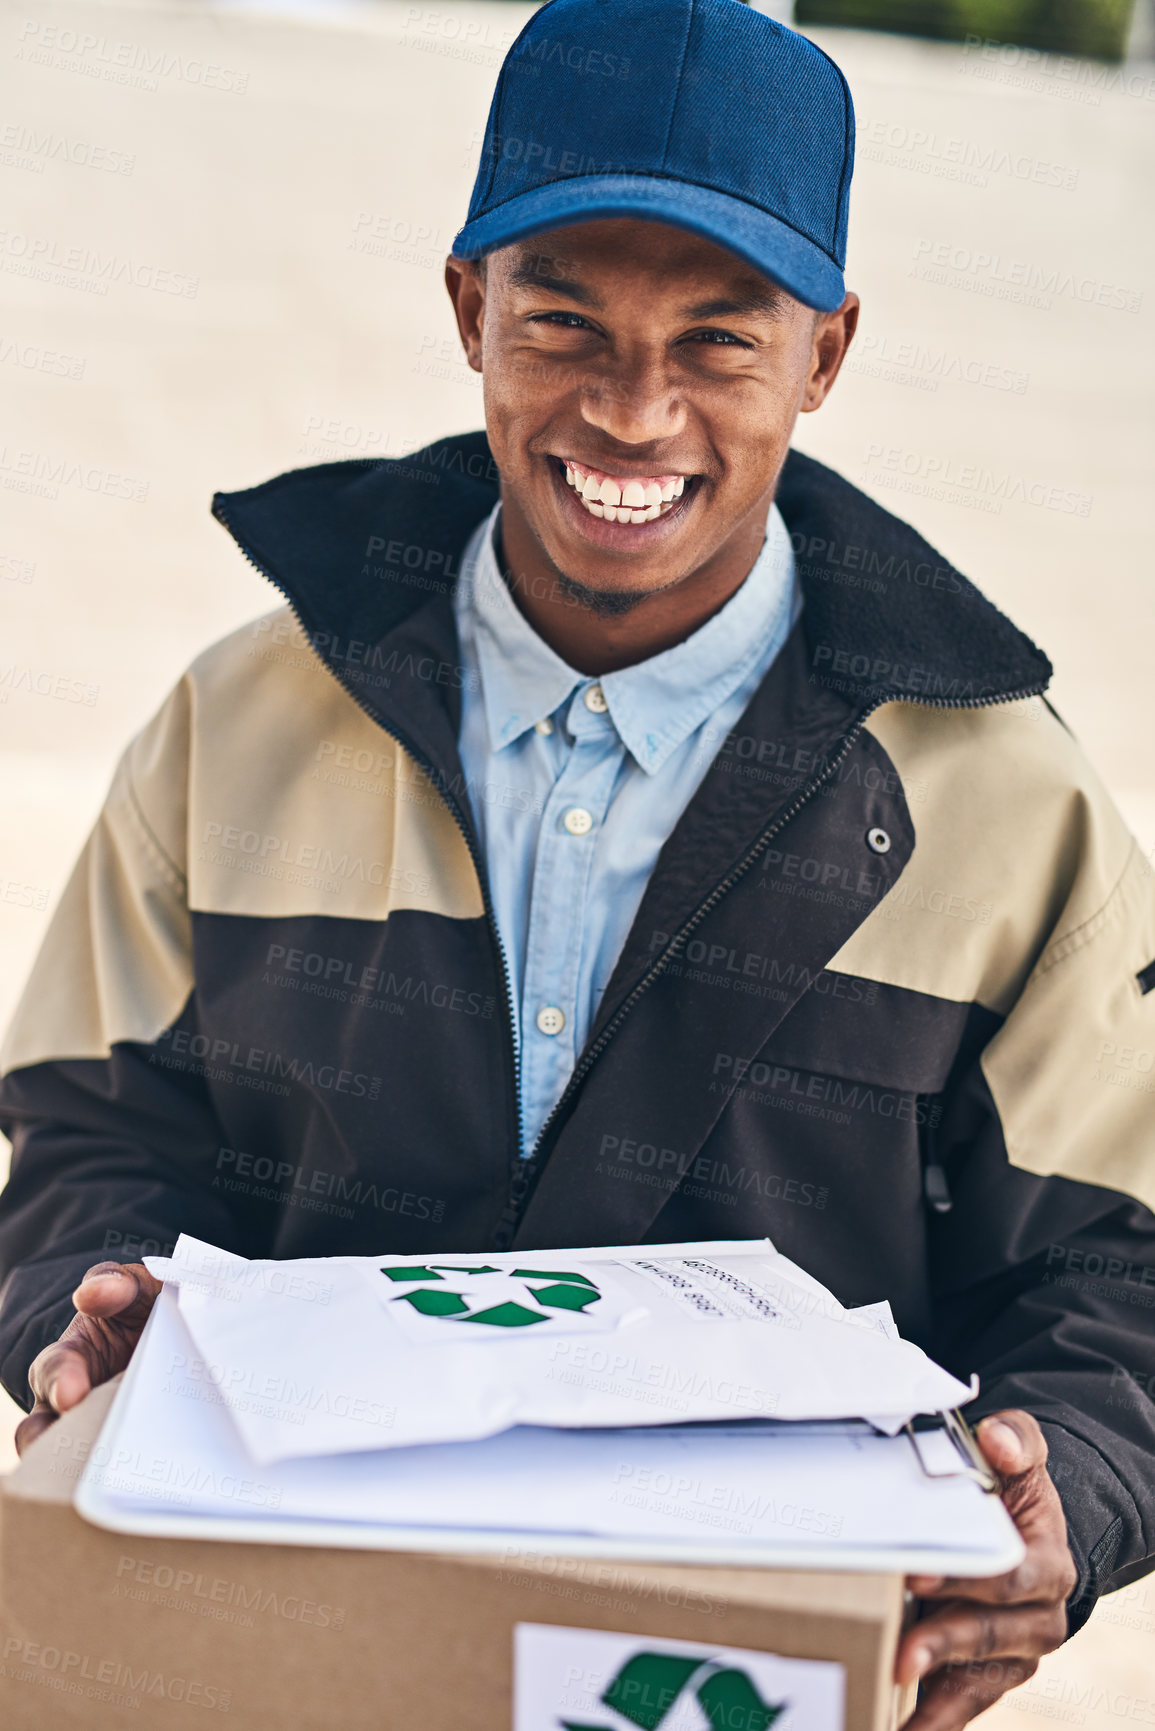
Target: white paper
{"points": [[329, 1355], [172, 1449], [606, 1681]]}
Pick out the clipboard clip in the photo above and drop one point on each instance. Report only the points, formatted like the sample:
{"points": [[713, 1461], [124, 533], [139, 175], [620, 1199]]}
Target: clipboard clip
{"points": [[975, 1465]]}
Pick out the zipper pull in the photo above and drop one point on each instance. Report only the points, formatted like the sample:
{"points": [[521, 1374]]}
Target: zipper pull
{"points": [[520, 1183]]}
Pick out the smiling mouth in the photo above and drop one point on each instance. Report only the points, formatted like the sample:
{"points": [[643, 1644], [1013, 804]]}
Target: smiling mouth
{"points": [[624, 498]]}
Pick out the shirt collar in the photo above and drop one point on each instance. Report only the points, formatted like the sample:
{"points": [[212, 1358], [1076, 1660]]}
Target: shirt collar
{"points": [[656, 704], [659, 703]]}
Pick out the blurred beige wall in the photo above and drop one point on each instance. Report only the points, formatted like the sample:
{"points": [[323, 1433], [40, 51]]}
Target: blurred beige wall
{"points": [[220, 253]]}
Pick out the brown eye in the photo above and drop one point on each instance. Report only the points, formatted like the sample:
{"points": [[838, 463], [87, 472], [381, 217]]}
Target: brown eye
{"points": [[720, 339]]}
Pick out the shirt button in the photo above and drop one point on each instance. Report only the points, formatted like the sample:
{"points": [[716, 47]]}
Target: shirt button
{"points": [[550, 1020], [578, 821], [544, 726], [595, 699]]}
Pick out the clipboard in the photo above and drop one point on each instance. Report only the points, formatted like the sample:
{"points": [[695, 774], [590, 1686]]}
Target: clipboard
{"points": [[975, 1465]]}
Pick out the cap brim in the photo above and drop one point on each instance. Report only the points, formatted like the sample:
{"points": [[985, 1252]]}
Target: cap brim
{"points": [[770, 245]]}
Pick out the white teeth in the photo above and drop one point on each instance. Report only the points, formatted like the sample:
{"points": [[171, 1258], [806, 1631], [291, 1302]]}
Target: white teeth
{"points": [[622, 502]]}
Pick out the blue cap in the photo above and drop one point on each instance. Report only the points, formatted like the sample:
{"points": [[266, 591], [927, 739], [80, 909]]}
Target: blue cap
{"points": [[700, 113]]}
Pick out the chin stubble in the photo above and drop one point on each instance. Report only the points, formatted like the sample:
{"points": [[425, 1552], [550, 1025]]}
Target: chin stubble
{"points": [[604, 603]]}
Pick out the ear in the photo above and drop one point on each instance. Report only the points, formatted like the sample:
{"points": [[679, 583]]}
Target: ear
{"points": [[466, 286], [833, 335]]}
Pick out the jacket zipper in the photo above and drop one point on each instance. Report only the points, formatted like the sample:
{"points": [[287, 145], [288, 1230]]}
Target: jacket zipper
{"points": [[455, 811], [525, 1171]]}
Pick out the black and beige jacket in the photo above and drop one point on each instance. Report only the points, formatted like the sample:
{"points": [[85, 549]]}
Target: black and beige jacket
{"points": [[886, 998]]}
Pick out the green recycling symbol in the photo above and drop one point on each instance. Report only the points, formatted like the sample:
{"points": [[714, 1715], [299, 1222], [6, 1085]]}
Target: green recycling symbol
{"points": [[560, 1290], [649, 1684]]}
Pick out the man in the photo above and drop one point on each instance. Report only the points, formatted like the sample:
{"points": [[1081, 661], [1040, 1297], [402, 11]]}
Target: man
{"points": [[629, 832]]}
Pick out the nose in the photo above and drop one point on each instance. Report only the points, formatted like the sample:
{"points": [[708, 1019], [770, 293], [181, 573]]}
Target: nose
{"points": [[634, 406]]}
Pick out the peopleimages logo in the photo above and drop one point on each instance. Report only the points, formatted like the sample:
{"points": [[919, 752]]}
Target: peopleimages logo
{"points": [[540, 1293], [648, 1687]]}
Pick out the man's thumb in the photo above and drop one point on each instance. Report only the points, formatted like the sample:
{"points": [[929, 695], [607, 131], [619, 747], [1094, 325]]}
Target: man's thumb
{"points": [[1005, 1447], [109, 1291]]}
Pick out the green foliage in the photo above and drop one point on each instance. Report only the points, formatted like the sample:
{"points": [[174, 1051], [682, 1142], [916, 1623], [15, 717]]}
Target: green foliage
{"points": [[1095, 28]]}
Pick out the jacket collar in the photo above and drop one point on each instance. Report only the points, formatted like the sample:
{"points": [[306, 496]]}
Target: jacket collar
{"points": [[359, 548]]}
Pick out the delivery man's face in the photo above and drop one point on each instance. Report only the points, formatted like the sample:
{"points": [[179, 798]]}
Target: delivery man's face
{"points": [[641, 386]]}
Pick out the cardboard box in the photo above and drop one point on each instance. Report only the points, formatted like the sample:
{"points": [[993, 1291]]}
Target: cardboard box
{"points": [[106, 1631]]}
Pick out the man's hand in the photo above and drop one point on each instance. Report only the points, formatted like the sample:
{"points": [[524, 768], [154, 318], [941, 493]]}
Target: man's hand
{"points": [[112, 1303], [987, 1636]]}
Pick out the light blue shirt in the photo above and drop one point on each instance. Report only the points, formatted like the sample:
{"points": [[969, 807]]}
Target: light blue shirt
{"points": [[575, 784]]}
